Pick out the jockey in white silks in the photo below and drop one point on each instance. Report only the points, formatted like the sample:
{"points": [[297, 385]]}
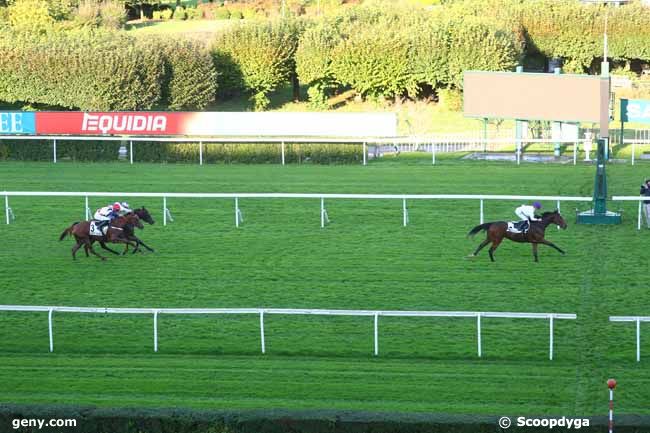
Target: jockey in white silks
{"points": [[526, 214], [110, 212]]}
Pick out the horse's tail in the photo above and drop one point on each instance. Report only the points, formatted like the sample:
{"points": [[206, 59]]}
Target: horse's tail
{"points": [[67, 231], [478, 228]]}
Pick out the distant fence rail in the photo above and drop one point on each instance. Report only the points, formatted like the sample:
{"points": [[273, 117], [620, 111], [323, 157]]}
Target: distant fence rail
{"points": [[431, 143], [637, 320], [636, 198], [551, 317], [9, 213]]}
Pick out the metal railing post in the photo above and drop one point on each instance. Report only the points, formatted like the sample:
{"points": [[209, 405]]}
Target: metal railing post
{"points": [[51, 334], [550, 338], [262, 331], [481, 219], [155, 330], [376, 334], [478, 333], [131, 151], [54, 151], [638, 340], [200, 153]]}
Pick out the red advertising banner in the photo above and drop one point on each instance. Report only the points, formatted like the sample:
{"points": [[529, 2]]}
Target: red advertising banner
{"points": [[115, 123], [226, 124]]}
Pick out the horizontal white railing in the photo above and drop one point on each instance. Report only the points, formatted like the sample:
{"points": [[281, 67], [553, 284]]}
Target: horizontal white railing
{"points": [[9, 214], [432, 143], [551, 317], [637, 320], [640, 199]]}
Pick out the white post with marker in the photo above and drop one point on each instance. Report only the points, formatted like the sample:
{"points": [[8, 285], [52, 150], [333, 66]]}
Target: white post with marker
{"points": [[611, 384]]}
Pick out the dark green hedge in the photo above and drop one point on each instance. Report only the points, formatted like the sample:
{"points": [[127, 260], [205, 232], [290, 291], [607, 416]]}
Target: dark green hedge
{"points": [[104, 71], [96, 420], [41, 150]]}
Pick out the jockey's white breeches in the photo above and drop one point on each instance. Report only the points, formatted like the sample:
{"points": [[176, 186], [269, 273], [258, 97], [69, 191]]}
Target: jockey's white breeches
{"points": [[99, 217]]}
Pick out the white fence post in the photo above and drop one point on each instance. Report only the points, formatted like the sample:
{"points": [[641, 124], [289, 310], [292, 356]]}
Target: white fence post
{"points": [[433, 152], [550, 337], [87, 209], [262, 331], [54, 151], [633, 150], [638, 340], [638, 223], [7, 207], [324, 218], [131, 151], [49, 320], [200, 153], [364, 153], [155, 330], [481, 218], [405, 213], [478, 331], [239, 218], [283, 153], [376, 334], [164, 211]]}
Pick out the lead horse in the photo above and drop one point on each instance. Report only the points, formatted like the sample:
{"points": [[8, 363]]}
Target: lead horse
{"points": [[116, 232], [498, 230]]}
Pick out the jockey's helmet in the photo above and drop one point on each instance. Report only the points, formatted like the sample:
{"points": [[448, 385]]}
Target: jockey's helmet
{"points": [[537, 205], [116, 207]]}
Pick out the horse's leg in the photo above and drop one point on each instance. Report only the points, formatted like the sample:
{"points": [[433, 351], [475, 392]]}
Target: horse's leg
{"points": [[495, 245], [74, 250], [480, 247], [143, 244], [534, 244], [92, 250], [86, 250], [104, 246], [552, 245]]}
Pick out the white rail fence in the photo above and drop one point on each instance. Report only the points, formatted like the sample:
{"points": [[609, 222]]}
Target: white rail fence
{"points": [[261, 312], [637, 198], [637, 320], [428, 143], [324, 218]]}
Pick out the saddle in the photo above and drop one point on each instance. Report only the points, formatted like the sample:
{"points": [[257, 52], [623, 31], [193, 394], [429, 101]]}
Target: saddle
{"points": [[98, 228], [518, 226]]}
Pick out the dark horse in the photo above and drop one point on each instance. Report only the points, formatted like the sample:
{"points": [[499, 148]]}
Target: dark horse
{"points": [[117, 233], [145, 216], [498, 230]]}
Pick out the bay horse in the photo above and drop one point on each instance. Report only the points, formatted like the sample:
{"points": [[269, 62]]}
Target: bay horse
{"points": [[115, 233], [498, 230], [145, 216]]}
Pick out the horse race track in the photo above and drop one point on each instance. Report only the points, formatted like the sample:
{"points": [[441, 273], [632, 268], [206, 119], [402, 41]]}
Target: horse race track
{"points": [[364, 259]]}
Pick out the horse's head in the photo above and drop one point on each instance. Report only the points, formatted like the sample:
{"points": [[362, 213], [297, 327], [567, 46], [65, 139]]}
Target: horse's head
{"points": [[133, 219], [554, 218], [144, 215]]}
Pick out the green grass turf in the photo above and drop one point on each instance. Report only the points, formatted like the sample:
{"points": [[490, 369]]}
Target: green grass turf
{"points": [[364, 259]]}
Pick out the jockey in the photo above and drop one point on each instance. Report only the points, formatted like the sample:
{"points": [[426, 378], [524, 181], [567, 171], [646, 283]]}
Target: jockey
{"points": [[108, 213], [526, 214], [123, 208]]}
